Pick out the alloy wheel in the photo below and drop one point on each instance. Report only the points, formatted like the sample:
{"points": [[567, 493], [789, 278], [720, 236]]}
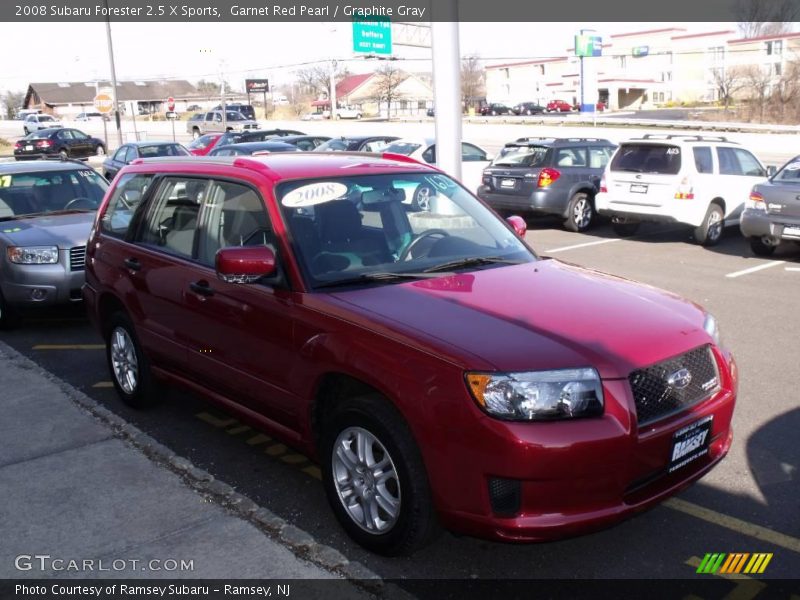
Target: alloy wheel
{"points": [[124, 361], [366, 480], [714, 225], [582, 213]]}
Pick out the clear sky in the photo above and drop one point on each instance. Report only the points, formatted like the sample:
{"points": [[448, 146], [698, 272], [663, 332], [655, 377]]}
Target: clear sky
{"points": [[195, 51]]}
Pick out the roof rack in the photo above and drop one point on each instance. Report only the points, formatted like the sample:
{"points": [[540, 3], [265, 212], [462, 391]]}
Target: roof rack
{"points": [[685, 136], [557, 139]]}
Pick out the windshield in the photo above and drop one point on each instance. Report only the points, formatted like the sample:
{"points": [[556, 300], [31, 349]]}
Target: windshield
{"points": [[24, 194], [522, 156], [406, 148], [43, 118], [334, 145], [391, 226], [235, 116], [162, 150]]}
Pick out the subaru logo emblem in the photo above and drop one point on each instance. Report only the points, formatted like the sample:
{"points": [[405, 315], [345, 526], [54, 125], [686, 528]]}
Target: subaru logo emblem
{"points": [[638, 177], [679, 379]]}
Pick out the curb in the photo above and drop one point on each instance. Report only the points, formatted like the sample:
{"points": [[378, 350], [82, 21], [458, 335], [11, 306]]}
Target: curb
{"points": [[300, 542]]}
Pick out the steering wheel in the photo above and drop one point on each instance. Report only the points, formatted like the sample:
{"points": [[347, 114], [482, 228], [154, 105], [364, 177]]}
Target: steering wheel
{"points": [[406, 252], [78, 200]]}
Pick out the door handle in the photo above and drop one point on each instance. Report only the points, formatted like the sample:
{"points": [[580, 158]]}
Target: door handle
{"points": [[133, 264], [201, 287]]}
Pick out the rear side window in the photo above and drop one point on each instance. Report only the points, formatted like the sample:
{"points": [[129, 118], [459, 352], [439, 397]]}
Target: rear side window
{"points": [[599, 157], [571, 157], [702, 159], [127, 198], [662, 159]]}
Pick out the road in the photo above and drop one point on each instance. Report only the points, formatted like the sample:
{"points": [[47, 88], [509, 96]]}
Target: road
{"points": [[749, 503]]}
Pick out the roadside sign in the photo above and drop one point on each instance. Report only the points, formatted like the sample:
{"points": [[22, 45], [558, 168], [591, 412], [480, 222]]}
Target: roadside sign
{"points": [[170, 104], [172, 114], [372, 37], [104, 103], [256, 85], [588, 45], [639, 51]]}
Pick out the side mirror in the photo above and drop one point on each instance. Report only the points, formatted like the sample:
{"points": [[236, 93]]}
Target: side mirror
{"points": [[518, 224], [771, 170], [244, 264]]}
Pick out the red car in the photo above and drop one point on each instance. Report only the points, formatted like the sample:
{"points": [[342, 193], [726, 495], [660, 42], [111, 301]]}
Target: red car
{"points": [[440, 372], [559, 106], [204, 144]]}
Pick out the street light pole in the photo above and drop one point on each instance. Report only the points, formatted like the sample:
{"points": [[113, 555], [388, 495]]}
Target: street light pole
{"points": [[447, 86], [113, 74]]}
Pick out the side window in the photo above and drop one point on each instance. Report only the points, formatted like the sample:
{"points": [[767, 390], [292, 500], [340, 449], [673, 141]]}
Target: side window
{"points": [[571, 157], [728, 165], [130, 155], [65, 134], [599, 156], [429, 156], [470, 153], [78, 135], [120, 154], [306, 145], [171, 220], [749, 164], [702, 159], [128, 195], [235, 216]]}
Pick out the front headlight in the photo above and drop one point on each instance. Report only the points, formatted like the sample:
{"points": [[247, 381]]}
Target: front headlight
{"points": [[712, 329], [538, 395], [33, 255]]}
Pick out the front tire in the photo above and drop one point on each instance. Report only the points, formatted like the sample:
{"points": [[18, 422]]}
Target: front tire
{"points": [[129, 367], [63, 154], [580, 213], [759, 248], [25, 129], [375, 479], [710, 231]]}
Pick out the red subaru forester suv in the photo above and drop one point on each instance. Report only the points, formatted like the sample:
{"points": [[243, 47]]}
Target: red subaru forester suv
{"points": [[440, 372]]}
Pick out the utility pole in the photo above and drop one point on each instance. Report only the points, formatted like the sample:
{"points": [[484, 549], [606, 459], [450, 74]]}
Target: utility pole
{"points": [[113, 75], [332, 92], [222, 92], [447, 85]]}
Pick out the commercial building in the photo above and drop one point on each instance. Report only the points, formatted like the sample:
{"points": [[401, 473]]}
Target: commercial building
{"points": [[649, 68]]}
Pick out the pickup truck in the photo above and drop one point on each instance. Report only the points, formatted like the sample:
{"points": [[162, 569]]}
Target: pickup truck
{"points": [[211, 122]]}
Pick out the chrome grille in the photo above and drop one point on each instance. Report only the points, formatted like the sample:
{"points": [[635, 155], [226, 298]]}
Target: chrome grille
{"points": [[662, 389], [77, 258]]}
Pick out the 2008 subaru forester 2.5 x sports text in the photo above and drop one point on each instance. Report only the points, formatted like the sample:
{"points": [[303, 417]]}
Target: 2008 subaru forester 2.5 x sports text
{"points": [[438, 369]]}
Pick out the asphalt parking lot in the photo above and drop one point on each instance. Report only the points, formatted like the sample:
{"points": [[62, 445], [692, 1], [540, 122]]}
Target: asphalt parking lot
{"points": [[750, 503]]}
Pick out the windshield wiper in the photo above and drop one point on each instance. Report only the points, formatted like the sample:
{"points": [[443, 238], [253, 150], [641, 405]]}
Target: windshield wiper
{"points": [[471, 261], [372, 277]]}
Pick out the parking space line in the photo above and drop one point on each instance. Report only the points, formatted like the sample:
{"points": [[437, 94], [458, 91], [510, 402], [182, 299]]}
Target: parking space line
{"points": [[103, 384], [596, 243], [754, 269], [69, 347], [738, 525]]}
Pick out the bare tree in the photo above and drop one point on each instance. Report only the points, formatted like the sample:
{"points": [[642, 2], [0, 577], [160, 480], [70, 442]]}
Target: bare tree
{"points": [[317, 80], [765, 17], [758, 80], [785, 91], [473, 80], [728, 81], [13, 101], [387, 79]]}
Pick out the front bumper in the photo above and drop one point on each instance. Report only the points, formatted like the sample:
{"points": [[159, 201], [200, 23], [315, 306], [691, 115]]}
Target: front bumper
{"points": [[759, 223], [576, 476], [41, 285]]}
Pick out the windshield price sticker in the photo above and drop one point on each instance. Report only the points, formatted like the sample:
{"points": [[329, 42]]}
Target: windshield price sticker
{"points": [[314, 193], [5, 181]]}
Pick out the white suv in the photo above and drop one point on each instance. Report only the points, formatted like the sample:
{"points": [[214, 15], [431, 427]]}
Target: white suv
{"points": [[37, 122], [697, 180]]}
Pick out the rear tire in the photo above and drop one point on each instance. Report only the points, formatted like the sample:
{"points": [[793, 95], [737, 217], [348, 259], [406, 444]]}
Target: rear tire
{"points": [[375, 479], [25, 129], [63, 154], [759, 248], [129, 367], [195, 133], [580, 213], [625, 229], [710, 232]]}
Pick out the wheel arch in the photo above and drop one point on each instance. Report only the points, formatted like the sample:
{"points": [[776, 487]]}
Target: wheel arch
{"points": [[107, 305]]}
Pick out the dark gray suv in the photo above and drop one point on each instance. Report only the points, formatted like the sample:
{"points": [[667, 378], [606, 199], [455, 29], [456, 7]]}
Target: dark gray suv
{"points": [[557, 176]]}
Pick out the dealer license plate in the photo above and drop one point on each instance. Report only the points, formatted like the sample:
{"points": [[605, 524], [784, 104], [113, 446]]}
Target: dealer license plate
{"points": [[508, 183], [791, 231], [690, 443], [638, 188]]}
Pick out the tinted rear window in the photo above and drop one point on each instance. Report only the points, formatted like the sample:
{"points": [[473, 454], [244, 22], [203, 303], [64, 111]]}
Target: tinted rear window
{"points": [[522, 156], [663, 159]]}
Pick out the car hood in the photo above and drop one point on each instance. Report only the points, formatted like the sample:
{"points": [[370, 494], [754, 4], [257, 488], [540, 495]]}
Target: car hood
{"points": [[62, 230], [542, 315]]}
